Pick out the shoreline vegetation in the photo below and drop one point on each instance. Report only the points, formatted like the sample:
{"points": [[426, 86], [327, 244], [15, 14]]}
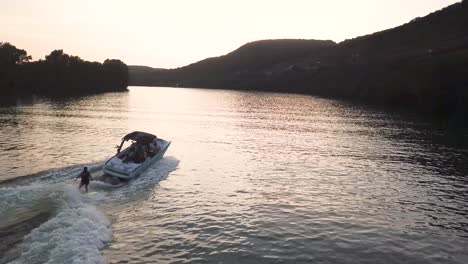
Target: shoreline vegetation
{"points": [[59, 74], [421, 65]]}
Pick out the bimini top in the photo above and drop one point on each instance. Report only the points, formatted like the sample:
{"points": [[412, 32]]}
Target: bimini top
{"points": [[140, 137]]}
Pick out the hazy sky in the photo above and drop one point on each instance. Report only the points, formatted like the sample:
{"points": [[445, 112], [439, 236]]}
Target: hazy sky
{"points": [[173, 33]]}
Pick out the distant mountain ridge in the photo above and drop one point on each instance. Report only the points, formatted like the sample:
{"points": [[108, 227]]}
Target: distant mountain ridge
{"points": [[255, 55], [422, 64]]}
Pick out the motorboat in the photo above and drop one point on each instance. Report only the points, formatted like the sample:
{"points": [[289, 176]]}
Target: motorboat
{"points": [[144, 150]]}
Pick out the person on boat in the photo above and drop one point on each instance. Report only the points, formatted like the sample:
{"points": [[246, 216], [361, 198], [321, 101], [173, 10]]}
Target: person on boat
{"points": [[85, 177], [156, 148], [153, 149], [140, 154], [130, 155]]}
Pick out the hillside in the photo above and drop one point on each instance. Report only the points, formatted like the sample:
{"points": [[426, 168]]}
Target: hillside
{"points": [[252, 58], [422, 64], [143, 75]]}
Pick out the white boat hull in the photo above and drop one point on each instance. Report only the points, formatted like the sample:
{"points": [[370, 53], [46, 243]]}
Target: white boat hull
{"points": [[117, 168]]}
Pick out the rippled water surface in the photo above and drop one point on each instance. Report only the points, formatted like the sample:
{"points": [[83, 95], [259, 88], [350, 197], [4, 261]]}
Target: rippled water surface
{"points": [[249, 178]]}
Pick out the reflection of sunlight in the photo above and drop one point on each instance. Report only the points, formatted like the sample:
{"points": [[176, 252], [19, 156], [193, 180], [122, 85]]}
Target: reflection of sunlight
{"points": [[170, 111]]}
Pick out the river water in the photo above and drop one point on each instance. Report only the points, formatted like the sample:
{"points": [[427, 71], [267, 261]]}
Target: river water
{"points": [[249, 178]]}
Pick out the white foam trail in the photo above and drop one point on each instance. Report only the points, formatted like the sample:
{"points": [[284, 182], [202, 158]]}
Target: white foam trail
{"points": [[77, 231], [74, 235], [19, 203], [135, 188]]}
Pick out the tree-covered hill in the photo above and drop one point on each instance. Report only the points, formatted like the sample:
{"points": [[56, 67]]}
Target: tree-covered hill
{"points": [[58, 74]]}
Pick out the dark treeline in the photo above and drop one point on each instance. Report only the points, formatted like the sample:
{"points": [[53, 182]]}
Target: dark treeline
{"points": [[422, 65], [59, 74]]}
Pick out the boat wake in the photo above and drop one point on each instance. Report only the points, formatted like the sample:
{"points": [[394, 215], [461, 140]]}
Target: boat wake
{"points": [[45, 219], [75, 234], [52, 176]]}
